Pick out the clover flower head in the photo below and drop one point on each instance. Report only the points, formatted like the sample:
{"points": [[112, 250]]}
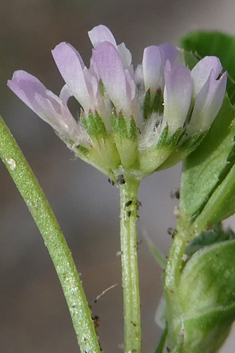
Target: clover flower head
{"points": [[137, 120]]}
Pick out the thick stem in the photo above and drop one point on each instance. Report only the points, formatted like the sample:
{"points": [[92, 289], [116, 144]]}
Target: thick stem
{"points": [[130, 277], [54, 240]]}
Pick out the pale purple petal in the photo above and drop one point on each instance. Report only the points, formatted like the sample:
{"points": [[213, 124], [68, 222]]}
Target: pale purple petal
{"points": [[25, 86], [177, 96], [201, 72], [139, 75], [130, 84], [65, 94], [169, 52], [45, 104], [208, 103], [125, 54], [111, 72], [92, 86], [71, 67], [168, 66], [152, 64], [100, 34]]}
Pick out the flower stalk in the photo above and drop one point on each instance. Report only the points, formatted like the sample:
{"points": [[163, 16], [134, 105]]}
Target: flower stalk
{"points": [[130, 277], [55, 242]]}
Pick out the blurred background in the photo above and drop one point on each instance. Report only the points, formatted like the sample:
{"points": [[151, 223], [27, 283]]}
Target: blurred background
{"points": [[33, 314]]}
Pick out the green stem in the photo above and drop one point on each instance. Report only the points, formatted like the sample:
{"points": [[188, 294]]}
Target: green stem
{"points": [[174, 262], [54, 240], [130, 277], [172, 278]]}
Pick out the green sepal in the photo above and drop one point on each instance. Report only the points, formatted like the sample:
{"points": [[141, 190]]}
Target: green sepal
{"points": [[162, 141], [82, 149], [119, 126], [214, 43], [147, 105], [157, 105], [168, 141], [151, 158], [132, 130], [169, 150], [206, 293], [102, 154], [153, 103], [182, 150], [125, 137], [206, 171], [173, 140], [94, 125]]}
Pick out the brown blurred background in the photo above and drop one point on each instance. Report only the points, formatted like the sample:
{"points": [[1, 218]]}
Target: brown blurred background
{"points": [[33, 314]]}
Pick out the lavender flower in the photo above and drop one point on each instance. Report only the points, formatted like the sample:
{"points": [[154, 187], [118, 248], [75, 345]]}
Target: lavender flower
{"points": [[138, 120]]}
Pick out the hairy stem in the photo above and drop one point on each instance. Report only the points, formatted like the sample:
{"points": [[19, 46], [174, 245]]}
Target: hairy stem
{"points": [[130, 277], [49, 228]]}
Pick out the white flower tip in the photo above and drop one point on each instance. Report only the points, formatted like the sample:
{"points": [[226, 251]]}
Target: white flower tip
{"points": [[101, 34]]}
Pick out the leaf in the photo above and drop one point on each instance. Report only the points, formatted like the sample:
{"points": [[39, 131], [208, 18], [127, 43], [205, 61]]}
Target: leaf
{"points": [[208, 237], [207, 295], [206, 170], [210, 272], [218, 44], [156, 254], [208, 331], [162, 342]]}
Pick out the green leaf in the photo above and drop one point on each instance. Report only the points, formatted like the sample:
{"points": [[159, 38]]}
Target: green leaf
{"points": [[157, 255], [210, 272], [190, 59], [207, 295], [162, 342], [209, 169], [207, 332], [218, 44], [211, 236]]}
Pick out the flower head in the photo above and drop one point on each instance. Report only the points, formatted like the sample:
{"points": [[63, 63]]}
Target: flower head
{"points": [[133, 120]]}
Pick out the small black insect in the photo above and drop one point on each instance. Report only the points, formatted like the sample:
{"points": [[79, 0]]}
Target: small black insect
{"points": [[128, 213], [128, 203], [95, 319], [172, 232], [175, 194], [120, 179]]}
